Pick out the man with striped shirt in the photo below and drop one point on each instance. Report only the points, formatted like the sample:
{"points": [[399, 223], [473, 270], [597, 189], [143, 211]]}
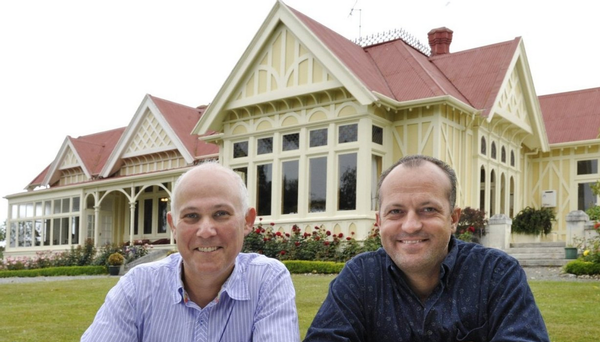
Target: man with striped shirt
{"points": [[209, 291]]}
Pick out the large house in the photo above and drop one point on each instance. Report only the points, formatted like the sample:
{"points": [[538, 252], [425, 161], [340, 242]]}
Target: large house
{"points": [[310, 119]]}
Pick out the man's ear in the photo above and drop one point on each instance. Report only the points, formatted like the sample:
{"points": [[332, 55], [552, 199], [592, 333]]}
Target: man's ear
{"points": [[170, 222], [455, 217], [250, 217]]}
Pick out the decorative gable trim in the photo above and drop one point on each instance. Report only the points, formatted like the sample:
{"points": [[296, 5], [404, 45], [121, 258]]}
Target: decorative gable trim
{"points": [[212, 120], [147, 133], [67, 158]]}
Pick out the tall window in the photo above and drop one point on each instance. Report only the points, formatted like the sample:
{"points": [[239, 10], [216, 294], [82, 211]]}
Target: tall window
{"points": [[264, 176], [493, 151], [376, 169], [512, 158], [585, 197], [289, 187], [503, 155], [377, 135], [483, 146], [162, 214], [347, 181], [317, 180]]}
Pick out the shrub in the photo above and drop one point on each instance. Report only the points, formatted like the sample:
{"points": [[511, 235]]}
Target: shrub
{"points": [[116, 259], [594, 213], [580, 267], [55, 271], [320, 267], [533, 221], [471, 225]]}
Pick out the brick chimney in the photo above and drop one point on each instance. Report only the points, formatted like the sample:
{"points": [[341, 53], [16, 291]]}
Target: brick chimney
{"points": [[439, 40]]}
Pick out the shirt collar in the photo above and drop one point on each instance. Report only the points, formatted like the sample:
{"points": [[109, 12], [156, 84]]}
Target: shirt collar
{"points": [[236, 286]]}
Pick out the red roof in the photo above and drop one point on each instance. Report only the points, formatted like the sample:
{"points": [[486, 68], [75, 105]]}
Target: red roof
{"points": [[571, 116], [399, 71]]}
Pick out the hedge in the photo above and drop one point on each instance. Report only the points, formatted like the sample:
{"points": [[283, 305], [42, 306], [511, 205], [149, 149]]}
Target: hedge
{"points": [[56, 271], [579, 267], [306, 266]]}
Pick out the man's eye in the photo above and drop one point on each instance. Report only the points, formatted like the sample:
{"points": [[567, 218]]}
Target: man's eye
{"points": [[429, 210], [221, 213]]}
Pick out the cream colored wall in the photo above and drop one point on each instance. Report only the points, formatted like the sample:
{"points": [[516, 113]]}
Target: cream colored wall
{"points": [[557, 170]]}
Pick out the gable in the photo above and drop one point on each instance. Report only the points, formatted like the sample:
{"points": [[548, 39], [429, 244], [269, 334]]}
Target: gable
{"points": [[149, 137], [284, 67], [512, 103]]}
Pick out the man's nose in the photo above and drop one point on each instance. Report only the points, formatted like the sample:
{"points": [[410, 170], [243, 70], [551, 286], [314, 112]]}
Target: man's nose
{"points": [[412, 222], [206, 228]]}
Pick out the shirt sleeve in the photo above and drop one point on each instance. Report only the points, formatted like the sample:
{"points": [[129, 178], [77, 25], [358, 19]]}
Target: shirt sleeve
{"points": [[513, 313], [342, 314], [276, 318], [116, 318]]}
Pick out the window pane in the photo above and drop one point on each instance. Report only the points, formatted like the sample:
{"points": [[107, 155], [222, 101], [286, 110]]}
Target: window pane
{"points": [[291, 142], [493, 152], [585, 196], [347, 182], [148, 216], [75, 230], [512, 158], [483, 146], [38, 209], [587, 167], [318, 137], [47, 234], [56, 231], [376, 166], [264, 146], [503, 155], [47, 207], [13, 234], [289, 187], [264, 175], [162, 214], [64, 231], [243, 173], [318, 184], [348, 133], [38, 232], [66, 205], [377, 135], [240, 149]]}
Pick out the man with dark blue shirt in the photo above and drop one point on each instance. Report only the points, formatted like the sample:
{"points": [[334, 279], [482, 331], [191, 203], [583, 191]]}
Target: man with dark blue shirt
{"points": [[425, 285]]}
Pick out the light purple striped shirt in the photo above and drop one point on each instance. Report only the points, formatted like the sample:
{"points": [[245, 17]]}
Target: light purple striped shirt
{"points": [[256, 303]]}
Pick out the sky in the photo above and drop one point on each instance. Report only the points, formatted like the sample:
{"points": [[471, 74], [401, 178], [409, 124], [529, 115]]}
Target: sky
{"points": [[77, 67]]}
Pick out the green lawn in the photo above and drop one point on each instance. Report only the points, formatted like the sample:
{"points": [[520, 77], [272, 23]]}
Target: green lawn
{"points": [[62, 310]]}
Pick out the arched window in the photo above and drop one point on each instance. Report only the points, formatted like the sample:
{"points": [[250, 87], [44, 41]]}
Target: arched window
{"points": [[503, 155], [493, 152], [483, 146], [512, 158], [482, 189]]}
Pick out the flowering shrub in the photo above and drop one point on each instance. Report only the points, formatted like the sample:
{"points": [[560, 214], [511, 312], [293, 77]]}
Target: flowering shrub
{"points": [[77, 256], [471, 225], [320, 244]]}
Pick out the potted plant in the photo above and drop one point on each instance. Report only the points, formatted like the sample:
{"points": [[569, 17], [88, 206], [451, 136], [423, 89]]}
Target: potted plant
{"points": [[534, 221], [115, 261]]}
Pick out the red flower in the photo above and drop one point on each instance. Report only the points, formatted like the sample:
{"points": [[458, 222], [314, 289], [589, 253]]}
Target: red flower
{"points": [[340, 235], [348, 238], [282, 252], [272, 224], [278, 234], [326, 243], [257, 231], [260, 218], [297, 243], [317, 238], [597, 225], [472, 229], [287, 235], [328, 233]]}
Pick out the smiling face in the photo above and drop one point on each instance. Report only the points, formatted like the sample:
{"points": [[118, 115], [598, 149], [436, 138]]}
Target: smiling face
{"points": [[208, 223], [415, 218]]}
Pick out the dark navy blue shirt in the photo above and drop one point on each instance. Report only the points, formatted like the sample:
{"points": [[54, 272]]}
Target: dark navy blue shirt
{"points": [[483, 295]]}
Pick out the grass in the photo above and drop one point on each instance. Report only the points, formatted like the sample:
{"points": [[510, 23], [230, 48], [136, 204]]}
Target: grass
{"points": [[62, 310]]}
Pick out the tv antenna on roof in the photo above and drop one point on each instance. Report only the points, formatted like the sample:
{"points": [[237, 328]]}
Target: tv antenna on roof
{"points": [[359, 17]]}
